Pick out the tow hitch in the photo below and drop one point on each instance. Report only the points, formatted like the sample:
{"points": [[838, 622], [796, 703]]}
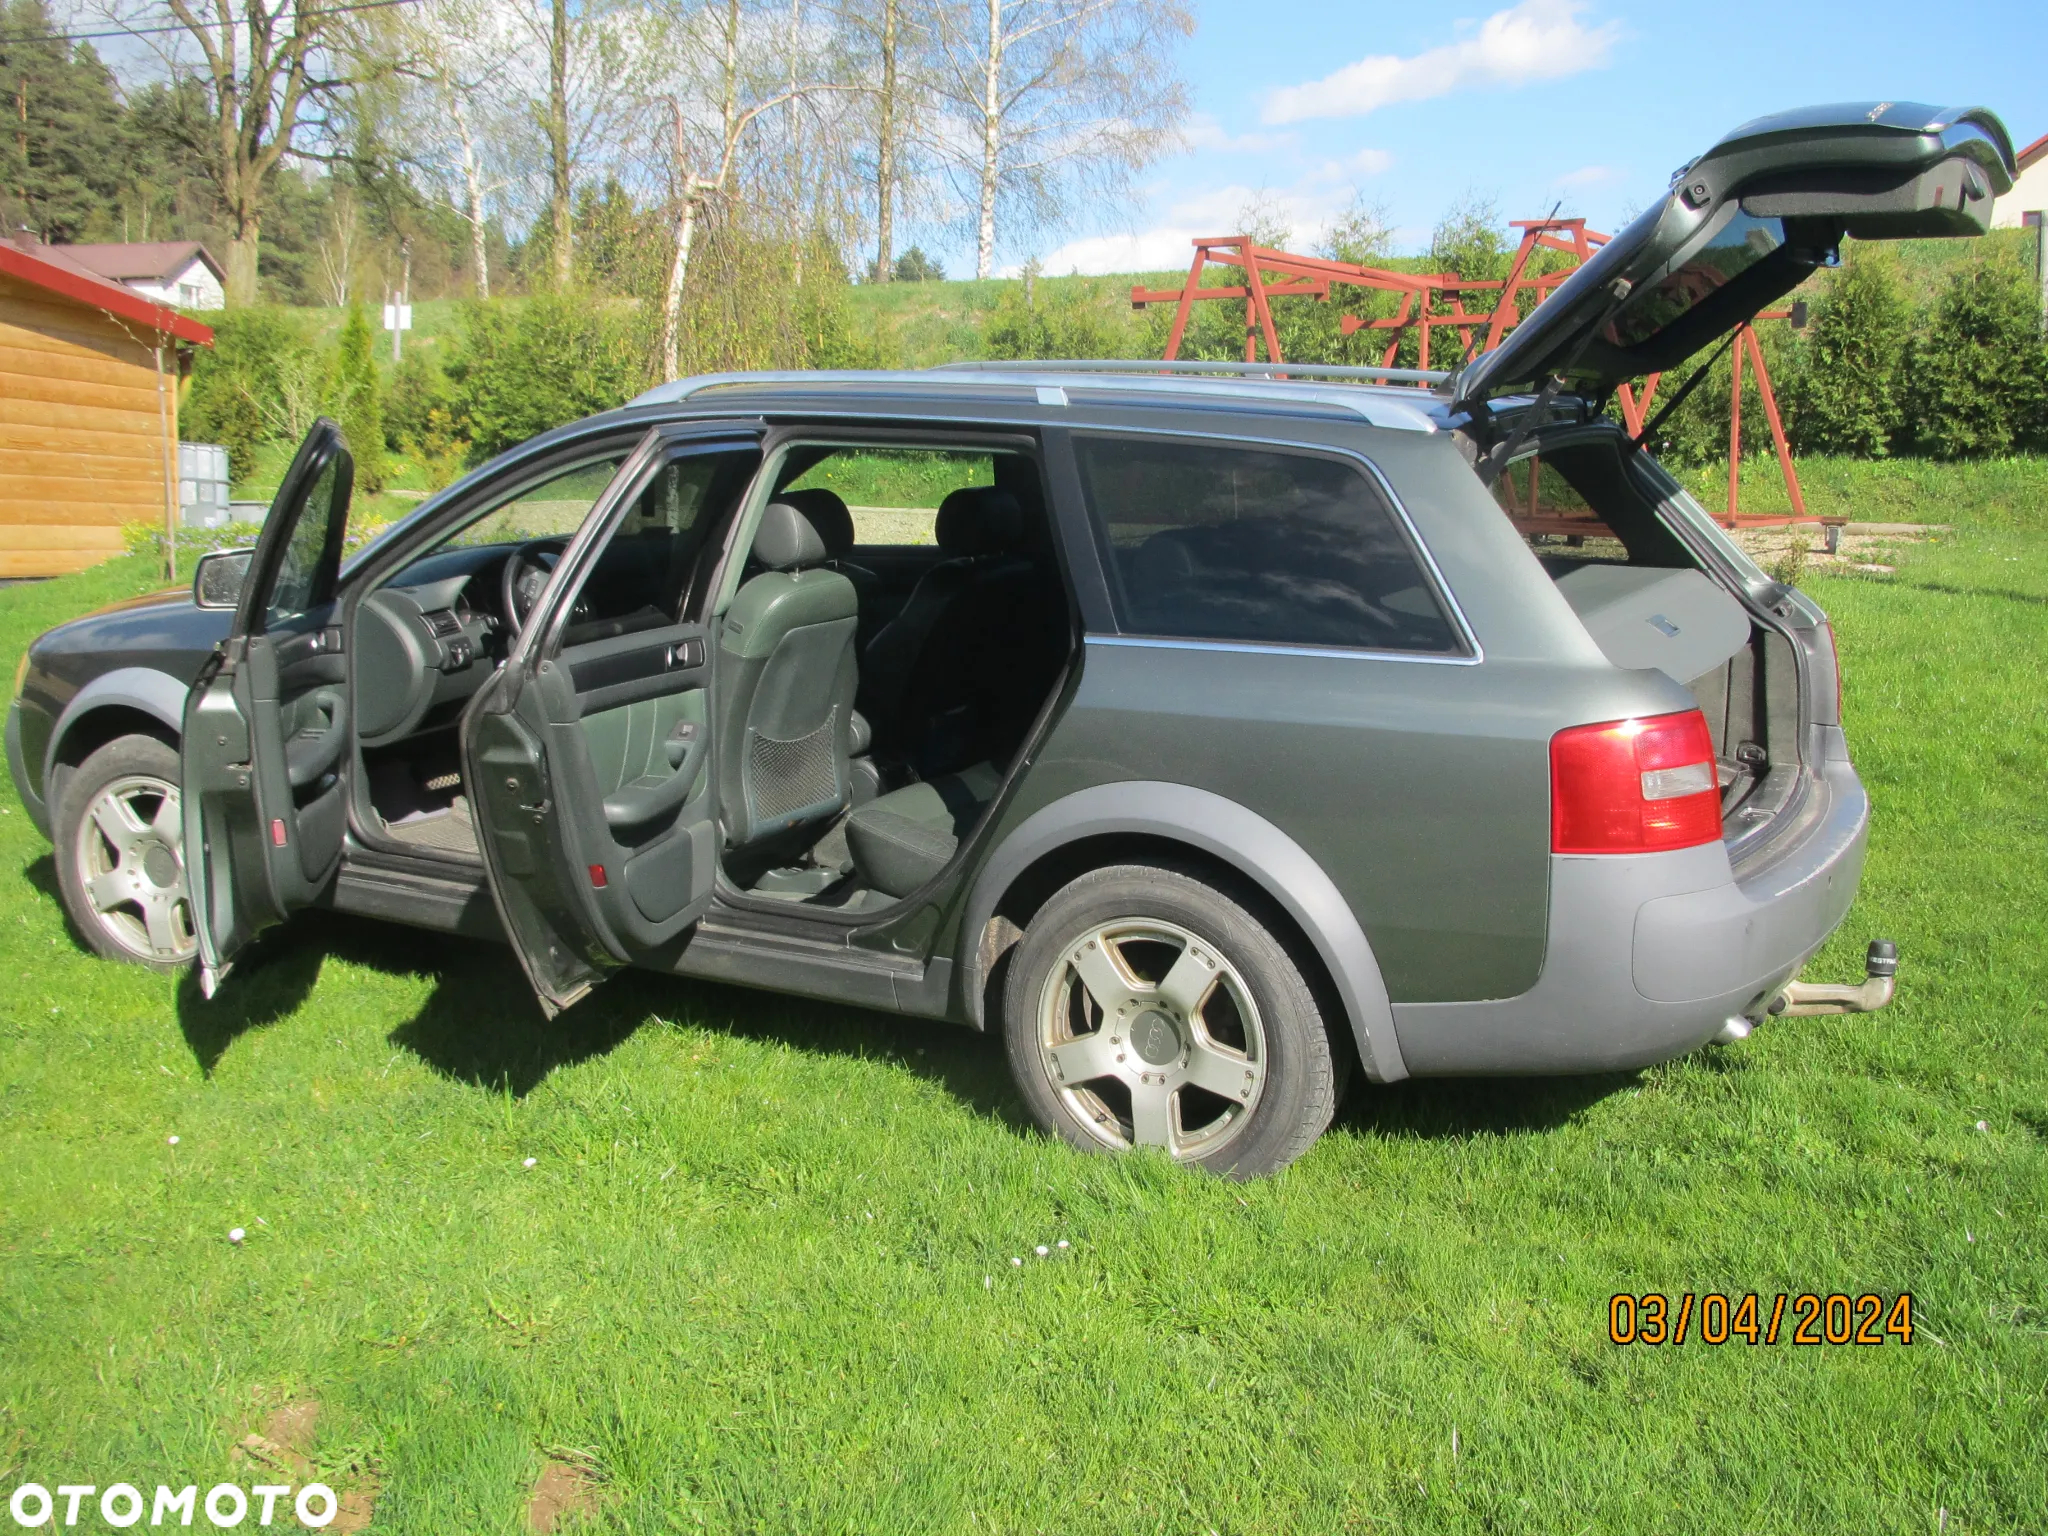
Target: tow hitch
{"points": [[1807, 999], [1802, 999]]}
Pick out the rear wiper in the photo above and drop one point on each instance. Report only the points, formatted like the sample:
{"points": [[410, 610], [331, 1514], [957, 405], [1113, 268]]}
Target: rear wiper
{"points": [[1649, 427]]}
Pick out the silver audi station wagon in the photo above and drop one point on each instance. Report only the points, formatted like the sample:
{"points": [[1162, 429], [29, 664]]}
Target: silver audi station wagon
{"points": [[1221, 736]]}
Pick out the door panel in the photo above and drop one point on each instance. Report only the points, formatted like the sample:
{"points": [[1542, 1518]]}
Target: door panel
{"points": [[591, 749], [266, 722], [549, 920]]}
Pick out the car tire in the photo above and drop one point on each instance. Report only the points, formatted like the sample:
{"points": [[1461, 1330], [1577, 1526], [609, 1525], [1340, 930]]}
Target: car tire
{"points": [[1146, 1006], [120, 866]]}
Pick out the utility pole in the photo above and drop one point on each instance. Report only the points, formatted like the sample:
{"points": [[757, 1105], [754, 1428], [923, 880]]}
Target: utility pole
{"points": [[404, 295]]}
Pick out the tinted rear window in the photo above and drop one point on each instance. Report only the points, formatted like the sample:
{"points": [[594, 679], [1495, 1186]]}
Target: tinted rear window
{"points": [[1210, 542]]}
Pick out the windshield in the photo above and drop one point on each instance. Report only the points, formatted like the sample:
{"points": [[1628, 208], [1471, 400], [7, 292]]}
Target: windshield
{"points": [[1736, 247]]}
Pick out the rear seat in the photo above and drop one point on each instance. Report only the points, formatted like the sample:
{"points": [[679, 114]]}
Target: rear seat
{"points": [[903, 838]]}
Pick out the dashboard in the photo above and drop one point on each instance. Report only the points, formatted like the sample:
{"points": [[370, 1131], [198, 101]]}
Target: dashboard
{"points": [[428, 640]]}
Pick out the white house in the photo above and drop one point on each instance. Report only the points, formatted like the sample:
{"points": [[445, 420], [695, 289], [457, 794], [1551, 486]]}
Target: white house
{"points": [[181, 273], [2027, 202]]}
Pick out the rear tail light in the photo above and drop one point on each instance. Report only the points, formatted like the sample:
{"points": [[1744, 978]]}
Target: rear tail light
{"points": [[1634, 786]]}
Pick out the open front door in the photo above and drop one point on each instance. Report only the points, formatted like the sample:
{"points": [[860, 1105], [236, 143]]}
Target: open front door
{"points": [[266, 723], [588, 755]]}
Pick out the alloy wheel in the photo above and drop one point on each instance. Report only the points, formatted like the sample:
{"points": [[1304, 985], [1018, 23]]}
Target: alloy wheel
{"points": [[131, 864], [1152, 1038]]}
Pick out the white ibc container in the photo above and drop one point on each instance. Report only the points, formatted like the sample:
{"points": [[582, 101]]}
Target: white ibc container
{"points": [[202, 485]]}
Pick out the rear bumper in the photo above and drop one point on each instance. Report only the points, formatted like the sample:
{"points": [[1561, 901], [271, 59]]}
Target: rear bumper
{"points": [[1650, 954]]}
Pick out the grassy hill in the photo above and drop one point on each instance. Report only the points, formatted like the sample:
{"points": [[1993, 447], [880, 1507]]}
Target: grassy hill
{"points": [[920, 324]]}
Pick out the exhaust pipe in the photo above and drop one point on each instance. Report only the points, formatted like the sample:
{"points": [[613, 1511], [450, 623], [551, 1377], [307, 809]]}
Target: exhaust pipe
{"points": [[1805, 999]]}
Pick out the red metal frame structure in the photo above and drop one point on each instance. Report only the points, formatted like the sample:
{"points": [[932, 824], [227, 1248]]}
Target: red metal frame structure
{"points": [[1433, 300]]}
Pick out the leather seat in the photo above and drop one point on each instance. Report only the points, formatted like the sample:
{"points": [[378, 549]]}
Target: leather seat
{"points": [[908, 835], [785, 682], [828, 513], [956, 676]]}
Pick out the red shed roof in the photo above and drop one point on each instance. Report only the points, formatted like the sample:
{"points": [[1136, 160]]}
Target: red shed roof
{"points": [[2032, 152], [44, 266]]}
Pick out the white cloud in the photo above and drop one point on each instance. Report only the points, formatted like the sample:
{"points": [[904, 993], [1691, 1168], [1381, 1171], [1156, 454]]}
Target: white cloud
{"points": [[1204, 132], [1535, 40], [1588, 176], [1307, 207], [1154, 250], [1367, 162]]}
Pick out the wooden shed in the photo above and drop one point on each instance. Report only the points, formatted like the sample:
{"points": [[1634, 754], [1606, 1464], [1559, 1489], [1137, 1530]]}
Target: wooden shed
{"points": [[89, 375]]}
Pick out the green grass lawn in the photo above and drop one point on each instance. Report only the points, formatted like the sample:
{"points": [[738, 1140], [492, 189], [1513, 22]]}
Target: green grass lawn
{"points": [[759, 1276]]}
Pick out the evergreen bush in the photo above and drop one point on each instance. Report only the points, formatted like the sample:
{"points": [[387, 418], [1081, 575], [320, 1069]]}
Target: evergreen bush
{"points": [[1847, 391], [357, 399], [1978, 381], [259, 382], [517, 371]]}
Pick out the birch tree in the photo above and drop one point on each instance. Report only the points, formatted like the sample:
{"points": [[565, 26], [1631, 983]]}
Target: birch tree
{"points": [[1046, 101], [739, 67], [459, 125], [890, 37], [888, 125], [341, 247]]}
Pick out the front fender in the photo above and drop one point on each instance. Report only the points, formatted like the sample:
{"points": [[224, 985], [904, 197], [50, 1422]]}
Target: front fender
{"points": [[1223, 829], [156, 694]]}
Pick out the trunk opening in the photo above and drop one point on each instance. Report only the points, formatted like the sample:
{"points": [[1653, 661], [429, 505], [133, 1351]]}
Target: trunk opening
{"points": [[1654, 590]]}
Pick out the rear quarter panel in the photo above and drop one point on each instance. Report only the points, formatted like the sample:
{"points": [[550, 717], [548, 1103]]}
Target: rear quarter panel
{"points": [[1421, 788]]}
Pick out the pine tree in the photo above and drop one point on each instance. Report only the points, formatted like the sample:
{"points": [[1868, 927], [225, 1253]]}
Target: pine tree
{"points": [[67, 143], [1847, 398], [358, 399]]}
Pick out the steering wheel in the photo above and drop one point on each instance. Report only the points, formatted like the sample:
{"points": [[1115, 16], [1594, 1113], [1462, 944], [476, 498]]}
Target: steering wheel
{"points": [[526, 573]]}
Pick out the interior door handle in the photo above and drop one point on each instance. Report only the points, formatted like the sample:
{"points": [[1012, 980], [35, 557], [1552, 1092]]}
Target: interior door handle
{"points": [[310, 754], [649, 797]]}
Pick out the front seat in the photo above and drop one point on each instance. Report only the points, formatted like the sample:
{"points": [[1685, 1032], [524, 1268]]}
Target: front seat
{"points": [[785, 681], [828, 513], [908, 835]]}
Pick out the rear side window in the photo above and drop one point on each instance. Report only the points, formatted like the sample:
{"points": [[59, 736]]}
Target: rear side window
{"points": [[1214, 542]]}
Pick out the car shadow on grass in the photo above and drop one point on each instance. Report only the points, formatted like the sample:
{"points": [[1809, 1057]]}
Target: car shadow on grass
{"points": [[1950, 589], [271, 979], [482, 1027], [1432, 1109]]}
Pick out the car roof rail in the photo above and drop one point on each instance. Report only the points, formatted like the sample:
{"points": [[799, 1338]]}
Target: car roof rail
{"points": [[1277, 372]]}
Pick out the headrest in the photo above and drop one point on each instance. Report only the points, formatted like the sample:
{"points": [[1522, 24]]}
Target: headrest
{"points": [[787, 540], [979, 520], [1165, 560], [828, 515]]}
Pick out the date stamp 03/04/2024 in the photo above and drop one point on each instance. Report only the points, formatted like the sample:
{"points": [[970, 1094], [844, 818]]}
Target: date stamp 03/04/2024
{"points": [[1806, 1318]]}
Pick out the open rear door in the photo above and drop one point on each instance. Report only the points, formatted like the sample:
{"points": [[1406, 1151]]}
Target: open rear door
{"points": [[1743, 225], [266, 723], [589, 753]]}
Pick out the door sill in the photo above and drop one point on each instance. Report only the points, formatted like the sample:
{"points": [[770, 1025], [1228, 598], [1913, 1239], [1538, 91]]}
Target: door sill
{"points": [[443, 895], [719, 948]]}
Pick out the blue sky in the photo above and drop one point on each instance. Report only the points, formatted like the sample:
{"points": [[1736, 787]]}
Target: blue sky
{"points": [[1588, 101]]}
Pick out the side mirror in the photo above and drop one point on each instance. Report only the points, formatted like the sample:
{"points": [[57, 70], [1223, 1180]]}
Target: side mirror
{"points": [[217, 578]]}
